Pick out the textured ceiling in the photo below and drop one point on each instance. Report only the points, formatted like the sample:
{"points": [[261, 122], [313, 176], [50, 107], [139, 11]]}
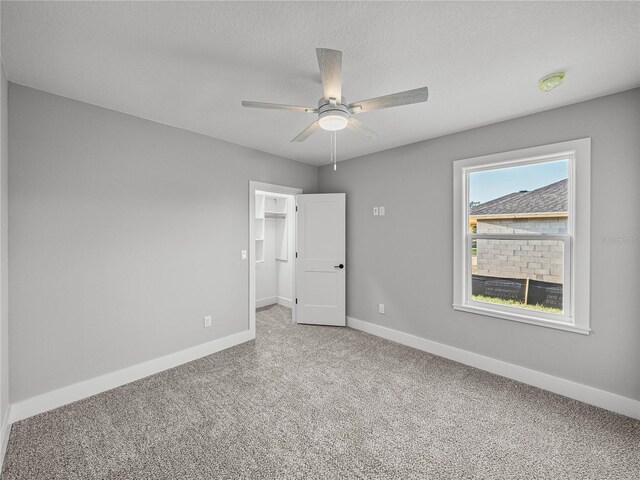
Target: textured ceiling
{"points": [[190, 64]]}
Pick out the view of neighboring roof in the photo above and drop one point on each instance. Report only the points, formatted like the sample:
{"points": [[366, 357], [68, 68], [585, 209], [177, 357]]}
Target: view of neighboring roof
{"points": [[548, 199]]}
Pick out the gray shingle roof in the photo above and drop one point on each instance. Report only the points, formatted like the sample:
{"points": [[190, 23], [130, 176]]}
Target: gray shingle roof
{"points": [[547, 199]]}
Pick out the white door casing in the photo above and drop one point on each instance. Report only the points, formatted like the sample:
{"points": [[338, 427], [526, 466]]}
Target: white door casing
{"points": [[320, 261]]}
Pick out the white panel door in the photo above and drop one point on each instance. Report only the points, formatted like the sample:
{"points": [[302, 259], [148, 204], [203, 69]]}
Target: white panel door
{"points": [[320, 259]]}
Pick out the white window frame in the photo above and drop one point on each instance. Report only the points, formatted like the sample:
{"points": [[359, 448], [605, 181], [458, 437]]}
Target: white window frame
{"points": [[575, 316]]}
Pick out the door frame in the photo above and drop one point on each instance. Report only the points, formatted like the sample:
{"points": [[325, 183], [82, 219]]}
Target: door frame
{"points": [[268, 187]]}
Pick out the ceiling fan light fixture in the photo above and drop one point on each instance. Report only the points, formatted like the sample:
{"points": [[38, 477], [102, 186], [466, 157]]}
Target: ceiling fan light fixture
{"points": [[333, 121]]}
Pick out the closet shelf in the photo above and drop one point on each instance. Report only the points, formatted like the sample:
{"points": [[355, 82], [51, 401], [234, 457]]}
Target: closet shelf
{"points": [[275, 215]]}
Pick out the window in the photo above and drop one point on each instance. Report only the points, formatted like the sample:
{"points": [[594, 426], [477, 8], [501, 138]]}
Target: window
{"points": [[521, 235]]}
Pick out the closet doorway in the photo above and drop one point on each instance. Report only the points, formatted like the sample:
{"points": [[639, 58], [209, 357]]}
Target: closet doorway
{"points": [[272, 237]]}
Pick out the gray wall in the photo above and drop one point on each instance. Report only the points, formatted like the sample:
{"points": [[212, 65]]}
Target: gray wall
{"points": [[4, 251], [404, 259], [124, 234]]}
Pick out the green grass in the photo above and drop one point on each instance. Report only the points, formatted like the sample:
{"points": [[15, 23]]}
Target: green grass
{"points": [[515, 303]]}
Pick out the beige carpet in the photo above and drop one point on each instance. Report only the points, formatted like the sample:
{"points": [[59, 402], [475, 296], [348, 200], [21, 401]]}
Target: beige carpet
{"points": [[323, 402]]}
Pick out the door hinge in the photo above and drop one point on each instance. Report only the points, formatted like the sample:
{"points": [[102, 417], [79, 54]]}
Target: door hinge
{"points": [[296, 254], [296, 208], [296, 301]]}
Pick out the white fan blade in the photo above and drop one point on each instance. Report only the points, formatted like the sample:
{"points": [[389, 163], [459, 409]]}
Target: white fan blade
{"points": [[306, 133], [278, 106], [330, 63], [394, 100], [362, 129]]}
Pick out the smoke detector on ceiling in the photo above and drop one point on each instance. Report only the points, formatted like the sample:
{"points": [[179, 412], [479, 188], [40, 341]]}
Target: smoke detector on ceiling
{"points": [[551, 81]]}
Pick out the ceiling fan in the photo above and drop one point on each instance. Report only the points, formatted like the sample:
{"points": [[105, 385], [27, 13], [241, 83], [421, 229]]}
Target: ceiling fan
{"points": [[334, 113]]}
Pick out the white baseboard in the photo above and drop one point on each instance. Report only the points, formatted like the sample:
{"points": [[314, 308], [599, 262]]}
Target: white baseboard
{"points": [[263, 302], [577, 391], [5, 430], [65, 395], [285, 302]]}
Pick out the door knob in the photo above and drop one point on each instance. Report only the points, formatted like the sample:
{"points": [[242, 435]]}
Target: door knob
{"points": [[338, 266]]}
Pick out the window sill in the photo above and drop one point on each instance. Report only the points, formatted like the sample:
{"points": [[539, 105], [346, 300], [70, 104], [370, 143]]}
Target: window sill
{"points": [[514, 317]]}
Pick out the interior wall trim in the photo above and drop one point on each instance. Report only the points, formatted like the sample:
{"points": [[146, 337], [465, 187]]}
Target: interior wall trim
{"points": [[578, 391], [285, 302], [5, 430], [263, 302], [72, 393]]}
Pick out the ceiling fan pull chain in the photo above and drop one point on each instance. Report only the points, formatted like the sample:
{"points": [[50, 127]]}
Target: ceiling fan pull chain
{"points": [[331, 146], [334, 150]]}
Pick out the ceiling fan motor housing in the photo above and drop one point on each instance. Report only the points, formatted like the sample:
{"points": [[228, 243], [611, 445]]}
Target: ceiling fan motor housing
{"points": [[333, 115]]}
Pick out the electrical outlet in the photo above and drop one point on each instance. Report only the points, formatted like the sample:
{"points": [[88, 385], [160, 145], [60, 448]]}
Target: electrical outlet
{"points": [[381, 308], [207, 321], [381, 211], [375, 210]]}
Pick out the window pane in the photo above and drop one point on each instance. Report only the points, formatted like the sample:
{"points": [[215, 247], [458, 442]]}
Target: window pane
{"points": [[524, 199], [520, 273]]}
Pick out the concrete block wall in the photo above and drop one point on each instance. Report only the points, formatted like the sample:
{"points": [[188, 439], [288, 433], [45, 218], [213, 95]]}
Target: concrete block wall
{"points": [[523, 225], [534, 259]]}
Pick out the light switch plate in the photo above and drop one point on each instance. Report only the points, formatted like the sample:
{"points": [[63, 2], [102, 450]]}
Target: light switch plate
{"points": [[207, 321], [243, 254], [375, 210], [381, 308], [381, 210]]}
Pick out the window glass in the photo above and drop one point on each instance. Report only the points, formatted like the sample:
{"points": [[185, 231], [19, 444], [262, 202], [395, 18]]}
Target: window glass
{"points": [[520, 199], [511, 270], [519, 273]]}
